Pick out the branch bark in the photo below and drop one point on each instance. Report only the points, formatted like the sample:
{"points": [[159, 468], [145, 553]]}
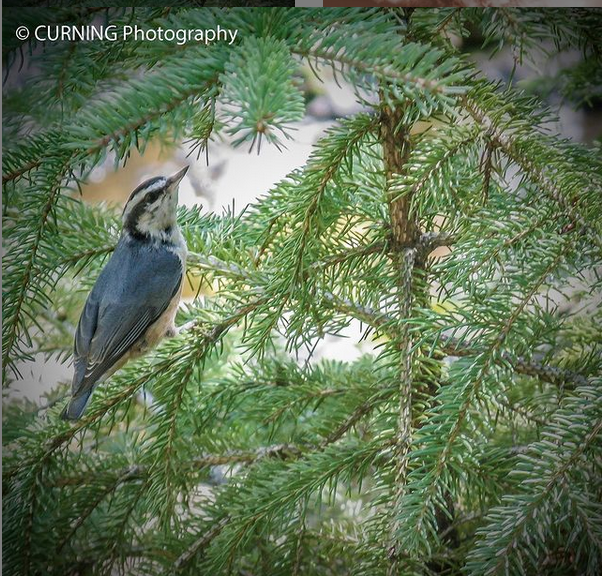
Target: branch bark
{"points": [[504, 140], [452, 347], [395, 139]]}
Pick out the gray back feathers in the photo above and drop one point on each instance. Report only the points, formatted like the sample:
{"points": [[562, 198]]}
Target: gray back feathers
{"points": [[132, 291]]}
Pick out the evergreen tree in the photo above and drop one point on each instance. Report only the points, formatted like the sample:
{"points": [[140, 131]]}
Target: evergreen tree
{"points": [[467, 442]]}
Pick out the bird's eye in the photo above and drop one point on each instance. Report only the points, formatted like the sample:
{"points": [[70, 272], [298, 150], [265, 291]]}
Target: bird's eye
{"points": [[153, 196]]}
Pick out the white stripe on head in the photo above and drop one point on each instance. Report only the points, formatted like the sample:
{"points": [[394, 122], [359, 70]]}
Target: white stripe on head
{"points": [[140, 193], [152, 210]]}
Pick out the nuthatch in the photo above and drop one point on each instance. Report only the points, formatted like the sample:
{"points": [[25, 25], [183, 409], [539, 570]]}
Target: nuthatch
{"points": [[133, 304]]}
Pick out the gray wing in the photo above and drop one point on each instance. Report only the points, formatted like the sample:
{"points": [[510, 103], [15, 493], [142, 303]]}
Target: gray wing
{"points": [[132, 291]]}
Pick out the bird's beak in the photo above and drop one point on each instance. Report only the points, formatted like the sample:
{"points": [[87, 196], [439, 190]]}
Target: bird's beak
{"points": [[173, 181]]}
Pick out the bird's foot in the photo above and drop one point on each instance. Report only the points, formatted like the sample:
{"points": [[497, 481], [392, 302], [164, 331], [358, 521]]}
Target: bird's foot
{"points": [[185, 327]]}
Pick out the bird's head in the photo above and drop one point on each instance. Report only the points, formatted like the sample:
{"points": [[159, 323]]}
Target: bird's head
{"points": [[150, 211]]}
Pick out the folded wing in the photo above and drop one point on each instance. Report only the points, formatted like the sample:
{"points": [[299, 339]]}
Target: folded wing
{"points": [[133, 290]]}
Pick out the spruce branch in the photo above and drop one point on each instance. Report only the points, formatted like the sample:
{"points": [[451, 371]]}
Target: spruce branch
{"points": [[361, 411], [18, 172], [131, 473], [451, 346], [199, 544], [396, 149], [59, 440], [321, 171], [140, 471], [20, 284], [416, 517], [405, 69], [553, 374], [31, 507], [119, 534], [166, 97], [547, 466], [302, 463], [504, 140]]}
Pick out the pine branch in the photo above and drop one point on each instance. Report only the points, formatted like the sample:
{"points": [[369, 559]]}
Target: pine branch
{"points": [[396, 149], [504, 140], [199, 544], [417, 519], [164, 367], [453, 347], [547, 465], [18, 294]]}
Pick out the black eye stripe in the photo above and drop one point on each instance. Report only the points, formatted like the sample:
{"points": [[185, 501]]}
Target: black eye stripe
{"points": [[143, 200], [144, 186], [152, 196]]}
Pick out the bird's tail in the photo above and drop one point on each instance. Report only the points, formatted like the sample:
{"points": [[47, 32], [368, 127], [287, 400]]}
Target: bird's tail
{"points": [[76, 406]]}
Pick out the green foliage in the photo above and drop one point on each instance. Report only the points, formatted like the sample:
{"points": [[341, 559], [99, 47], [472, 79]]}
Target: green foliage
{"points": [[467, 441], [257, 92]]}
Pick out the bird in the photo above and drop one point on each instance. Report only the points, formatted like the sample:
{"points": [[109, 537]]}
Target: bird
{"points": [[132, 305]]}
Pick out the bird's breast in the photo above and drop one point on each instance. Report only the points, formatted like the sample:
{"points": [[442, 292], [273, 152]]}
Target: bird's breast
{"points": [[177, 245]]}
